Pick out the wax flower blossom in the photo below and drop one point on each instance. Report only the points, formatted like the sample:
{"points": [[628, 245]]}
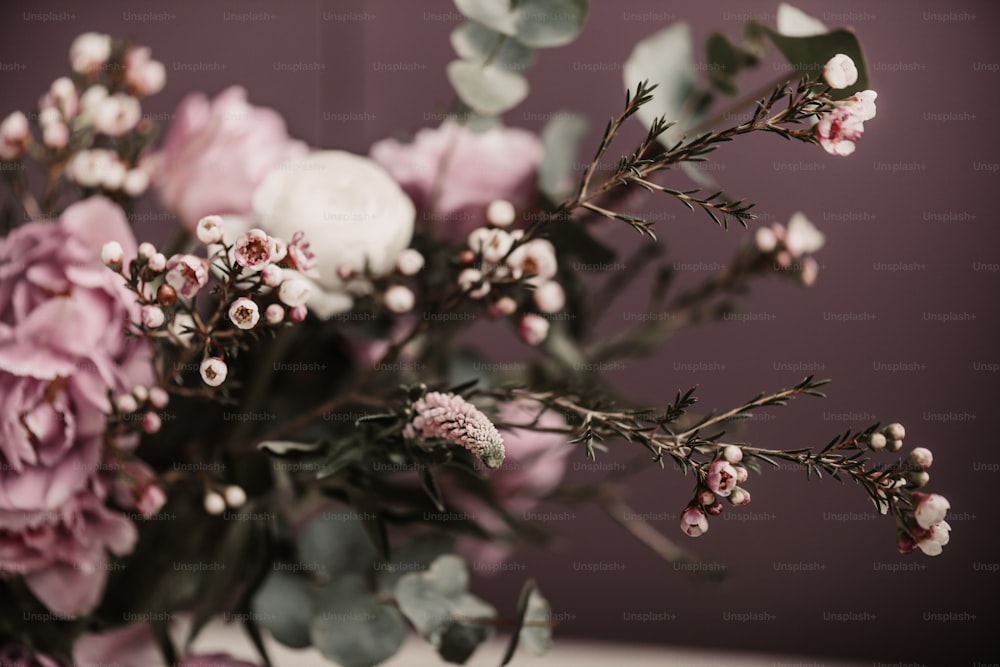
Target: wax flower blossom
{"points": [[838, 129], [451, 417]]}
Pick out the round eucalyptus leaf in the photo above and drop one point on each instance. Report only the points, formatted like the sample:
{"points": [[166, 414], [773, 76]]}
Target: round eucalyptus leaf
{"points": [[428, 599], [548, 23], [475, 42], [489, 89], [536, 635], [351, 628], [283, 606], [495, 14], [335, 543]]}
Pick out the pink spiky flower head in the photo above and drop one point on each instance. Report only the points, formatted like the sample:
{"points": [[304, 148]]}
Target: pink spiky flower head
{"points": [[439, 415]]}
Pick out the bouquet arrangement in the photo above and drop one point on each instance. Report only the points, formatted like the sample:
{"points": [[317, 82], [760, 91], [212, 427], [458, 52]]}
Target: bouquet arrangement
{"points": [[268, 418]]}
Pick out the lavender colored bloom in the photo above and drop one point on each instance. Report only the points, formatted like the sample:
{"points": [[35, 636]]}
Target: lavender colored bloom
{"points": [[451, 417]]}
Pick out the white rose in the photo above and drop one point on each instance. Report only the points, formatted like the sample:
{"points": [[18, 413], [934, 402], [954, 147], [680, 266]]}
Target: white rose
{"points": [[352, 213]]}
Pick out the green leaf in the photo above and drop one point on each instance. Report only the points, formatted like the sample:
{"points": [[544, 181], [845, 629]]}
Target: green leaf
{"points": [[725, 61], [522, 609], [535, 23], [666, 59], [488, 89], [548, 23], [351, 628], [435, 599], [414, 556], [283, 447], [283, 606], [561, 138], [536, 636], [808, 55], [336, 542], [460, 640], [475, 42]]}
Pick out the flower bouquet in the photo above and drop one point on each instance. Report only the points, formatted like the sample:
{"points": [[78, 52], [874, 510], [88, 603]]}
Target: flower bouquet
{"points": [[270, 420]]}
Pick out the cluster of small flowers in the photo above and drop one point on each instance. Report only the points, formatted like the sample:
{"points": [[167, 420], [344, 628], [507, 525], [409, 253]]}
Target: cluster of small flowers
{"points": [[722, 480], [399, 298], [145, 401], [838, 129], [451, 417], [505, 266], [921, 524], [788, 249], [254, 266], [101, 103]]}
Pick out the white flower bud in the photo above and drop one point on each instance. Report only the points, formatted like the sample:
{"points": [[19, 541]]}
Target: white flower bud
{"points": [[141, 393], [210, 229], [840, 72], [235, 496], [272, 275], [113, 176], [151, 422], [55, 135], [153, 317], [921, 457], [214, 503], [930, 510], [244, 313], [157, 263], [126, 403], [158, 397], [409, 262], [213, 371], [14, 131], [468, 281], [89, 51], [294, 292], [399, 299], [877, 441], [503, 306], [112, 255], [732, 453], [894, 431], [550, 297], [501, 213], [146, 250], [765, 240], [117, 114], [136, 182], [494, 244]]}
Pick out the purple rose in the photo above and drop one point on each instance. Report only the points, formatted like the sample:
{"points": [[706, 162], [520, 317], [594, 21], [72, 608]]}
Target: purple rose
{"points": [[452, 173], [216, 153], [62, 348]]}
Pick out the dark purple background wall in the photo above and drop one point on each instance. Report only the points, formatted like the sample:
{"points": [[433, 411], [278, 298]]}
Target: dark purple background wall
{"points": [[911, 235]]}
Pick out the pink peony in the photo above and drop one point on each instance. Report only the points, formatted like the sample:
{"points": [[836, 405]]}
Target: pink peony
{"points": [[62, 347], [471, 169], [216, 153]]}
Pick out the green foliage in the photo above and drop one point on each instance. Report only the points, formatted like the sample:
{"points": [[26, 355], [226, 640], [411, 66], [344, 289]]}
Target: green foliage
{"points": [[807, 55], [352, 628], [665, 60], [561, 138], [488, 89]]}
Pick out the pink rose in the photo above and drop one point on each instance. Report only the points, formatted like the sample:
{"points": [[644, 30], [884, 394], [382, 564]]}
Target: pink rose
{"points": [[216, 153], [62, 317], [478, 168], [534, 466]]}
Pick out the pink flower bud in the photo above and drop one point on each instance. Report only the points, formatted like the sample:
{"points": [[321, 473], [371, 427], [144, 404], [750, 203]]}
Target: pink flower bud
{"points": [[186, 274], [765, 240], [158, 397], [344, 271], [840, 72], [741, 474], [921, 457], [14, 132], [151, 500], [117, 114], [157, 263], [503, 306], [244, 313], [715, 509], [136, 182], [213, 371], [399, 299], [721, 478], [533, 329], [152, 317], [409, 262], [89, 51], [550, 297], [55, 135], [146, 250], [705, 497], [209, 229], [151, 422], [297, 314], [112, 255], [694, 523], [274, 314], [253, 250]]}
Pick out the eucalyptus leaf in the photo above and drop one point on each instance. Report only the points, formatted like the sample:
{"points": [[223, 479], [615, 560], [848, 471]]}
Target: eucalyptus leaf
{"points": [[665, 58], [475, 42], [488, 89], [352, 628], [336, 543], [283, 606], [561, 138], [536, 635], [460, 640], [535, 23], [414, 556], [428, 598]]}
